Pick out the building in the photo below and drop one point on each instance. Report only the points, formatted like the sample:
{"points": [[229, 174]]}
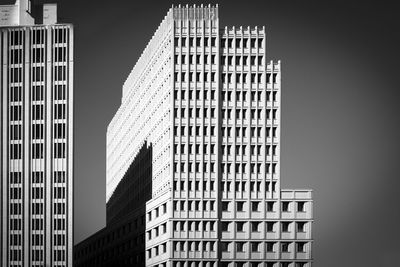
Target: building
{"points": [[36, 111], [206, 102]]}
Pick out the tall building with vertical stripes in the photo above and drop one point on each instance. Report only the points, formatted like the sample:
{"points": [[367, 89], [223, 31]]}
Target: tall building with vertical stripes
{"points": [[36, 137], [204, 104]]}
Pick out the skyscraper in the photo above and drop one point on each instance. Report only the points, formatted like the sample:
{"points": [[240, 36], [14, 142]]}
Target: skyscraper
{"points": [[202, 105], [36, 164]]}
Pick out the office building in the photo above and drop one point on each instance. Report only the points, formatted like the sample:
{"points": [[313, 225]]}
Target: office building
{"points": [[36, 137], [205, 103]]}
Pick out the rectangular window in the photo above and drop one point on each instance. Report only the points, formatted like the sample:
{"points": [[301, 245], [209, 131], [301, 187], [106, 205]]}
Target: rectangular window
{"points": [[16, 132], [37, 131], [37, 151], [37, 112], [16, 113], [59, 130], [59, 111], [59, 92], [15, 151]]}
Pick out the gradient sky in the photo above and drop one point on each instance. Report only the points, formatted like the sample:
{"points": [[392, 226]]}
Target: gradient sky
{"points": [[340, 123]]}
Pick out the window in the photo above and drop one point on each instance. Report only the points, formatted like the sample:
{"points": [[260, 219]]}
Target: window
{"points": [[225, 205], [239, 205], [301, 246], [224, 246], [285, 226], [285, 206], [270, 246], [225, 226], [239, 226], [240, 246], [270, 226], [255, 206], [270, 206], [285, 246], [300, 206], [255, 226], [301, 227], [255, 246]]}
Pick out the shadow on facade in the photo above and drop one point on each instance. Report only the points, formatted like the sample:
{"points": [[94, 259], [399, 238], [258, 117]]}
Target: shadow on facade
{"points": [[122, 241]]}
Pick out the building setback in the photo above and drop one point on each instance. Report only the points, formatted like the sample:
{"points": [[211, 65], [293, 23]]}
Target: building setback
{"points": [[203, 105], [36, 137]]}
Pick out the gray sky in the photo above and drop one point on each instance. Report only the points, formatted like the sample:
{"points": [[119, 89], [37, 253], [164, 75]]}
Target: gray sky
{"points": [[339, 110]]}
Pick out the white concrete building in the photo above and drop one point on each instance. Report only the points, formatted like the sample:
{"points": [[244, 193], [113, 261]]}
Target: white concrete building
{"points": [[207, 101], [36, 137]]}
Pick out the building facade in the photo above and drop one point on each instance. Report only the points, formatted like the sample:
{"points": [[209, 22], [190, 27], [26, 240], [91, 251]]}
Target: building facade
{"points": [[36, 143], [207, 102]]}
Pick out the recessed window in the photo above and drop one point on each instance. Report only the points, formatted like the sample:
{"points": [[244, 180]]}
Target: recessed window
{"points": [[239, 226], [225, 226], [224, 246], [255, 226], [285, 226], [255, 206], [240, 206], [240, 246], [285, 246], [270, 246], [301, 246], [301, 206], [285, 206], [301, 227], [270, 226]]}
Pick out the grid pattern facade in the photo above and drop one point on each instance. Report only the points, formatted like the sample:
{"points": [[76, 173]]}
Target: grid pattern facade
{"points": [[36, 145], [217, 124]]}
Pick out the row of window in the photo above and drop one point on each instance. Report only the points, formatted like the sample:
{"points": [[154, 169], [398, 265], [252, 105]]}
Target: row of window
{"points": [[256, 205], [299, 247], [190, 76], [16, 56], [194, 205], [242, 96], [227, 186], [238, 264], [37, 92], [195, 167], [156, 231], [38, 151], [38, 36], [195, 148], [242, 132], [256, 226], [244, 78], [195, 59], [37, 177], [59, 72], [206, 130], [242, 42], [192, 41], [37, 131], [225, 42], [157, 250], [242, 60], [38, 112], [226, 78], [197, 112], [156, 212], [243, 168], [193, 186]]}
